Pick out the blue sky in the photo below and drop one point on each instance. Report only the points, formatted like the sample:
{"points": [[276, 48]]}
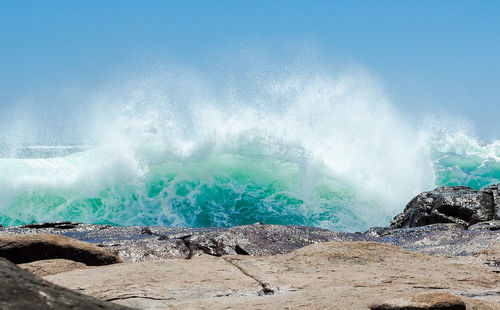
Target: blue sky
{"points": [[441, 56]]}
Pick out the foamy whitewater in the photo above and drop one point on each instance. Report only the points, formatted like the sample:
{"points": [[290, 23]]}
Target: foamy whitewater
{"points": [[317, 150]]}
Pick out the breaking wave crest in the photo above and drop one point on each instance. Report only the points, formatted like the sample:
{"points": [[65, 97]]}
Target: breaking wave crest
{"points": [[309, 150]]}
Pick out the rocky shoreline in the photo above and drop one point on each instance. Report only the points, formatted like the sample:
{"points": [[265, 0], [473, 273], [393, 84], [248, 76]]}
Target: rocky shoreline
{"points": [[444, 248]]}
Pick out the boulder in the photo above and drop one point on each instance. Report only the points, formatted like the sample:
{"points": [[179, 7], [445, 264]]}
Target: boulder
{"points": [[451, 204], [32, 247], [23, 291], [428, 301]]}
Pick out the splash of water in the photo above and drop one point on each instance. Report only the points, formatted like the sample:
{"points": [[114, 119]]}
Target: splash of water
{"points": [[302, 149]]}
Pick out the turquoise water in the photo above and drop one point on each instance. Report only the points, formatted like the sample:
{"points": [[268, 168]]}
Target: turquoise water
{"points": [[476, 166], [99, 186], [318, 151]]}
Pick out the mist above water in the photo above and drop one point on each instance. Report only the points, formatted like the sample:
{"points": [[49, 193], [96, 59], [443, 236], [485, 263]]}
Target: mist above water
{"points": [[183, 149]]}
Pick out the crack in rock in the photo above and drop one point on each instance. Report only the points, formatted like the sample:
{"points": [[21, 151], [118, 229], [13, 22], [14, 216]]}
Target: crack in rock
{"points": [[136, 296], [266, 288]]}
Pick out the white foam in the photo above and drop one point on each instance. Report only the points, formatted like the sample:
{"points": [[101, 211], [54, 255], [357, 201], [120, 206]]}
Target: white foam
{"points": [[345, 122], [339, 130]]}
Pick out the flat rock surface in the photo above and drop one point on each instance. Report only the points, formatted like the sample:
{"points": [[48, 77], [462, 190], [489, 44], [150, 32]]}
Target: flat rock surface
{"points": [[21, 290], [331, 275]]}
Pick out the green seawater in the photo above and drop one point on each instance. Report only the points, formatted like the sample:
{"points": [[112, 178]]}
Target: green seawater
{"points": [[219, 189]]}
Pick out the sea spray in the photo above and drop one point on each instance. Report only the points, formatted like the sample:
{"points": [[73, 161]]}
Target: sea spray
{"points": [[307, 149]]}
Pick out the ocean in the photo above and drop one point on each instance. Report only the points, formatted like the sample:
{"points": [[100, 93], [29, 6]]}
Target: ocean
{"points": [[329, 153]]}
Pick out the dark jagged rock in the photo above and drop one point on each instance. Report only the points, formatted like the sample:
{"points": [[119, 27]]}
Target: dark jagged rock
{"points": [[259, 240], [25, 248], [21, 290], [492, 194], [451, 204]]}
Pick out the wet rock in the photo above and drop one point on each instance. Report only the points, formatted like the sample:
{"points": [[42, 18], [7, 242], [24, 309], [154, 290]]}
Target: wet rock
{"points": [[26, 248], [22, 290], [259, 240], [429, 301], [161, 242], [135, 244], [447, 239], [450, 204], [47, 267], [58, 225]]}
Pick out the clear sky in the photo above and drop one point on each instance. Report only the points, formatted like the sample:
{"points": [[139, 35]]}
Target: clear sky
{"points": [[439, 56]]}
